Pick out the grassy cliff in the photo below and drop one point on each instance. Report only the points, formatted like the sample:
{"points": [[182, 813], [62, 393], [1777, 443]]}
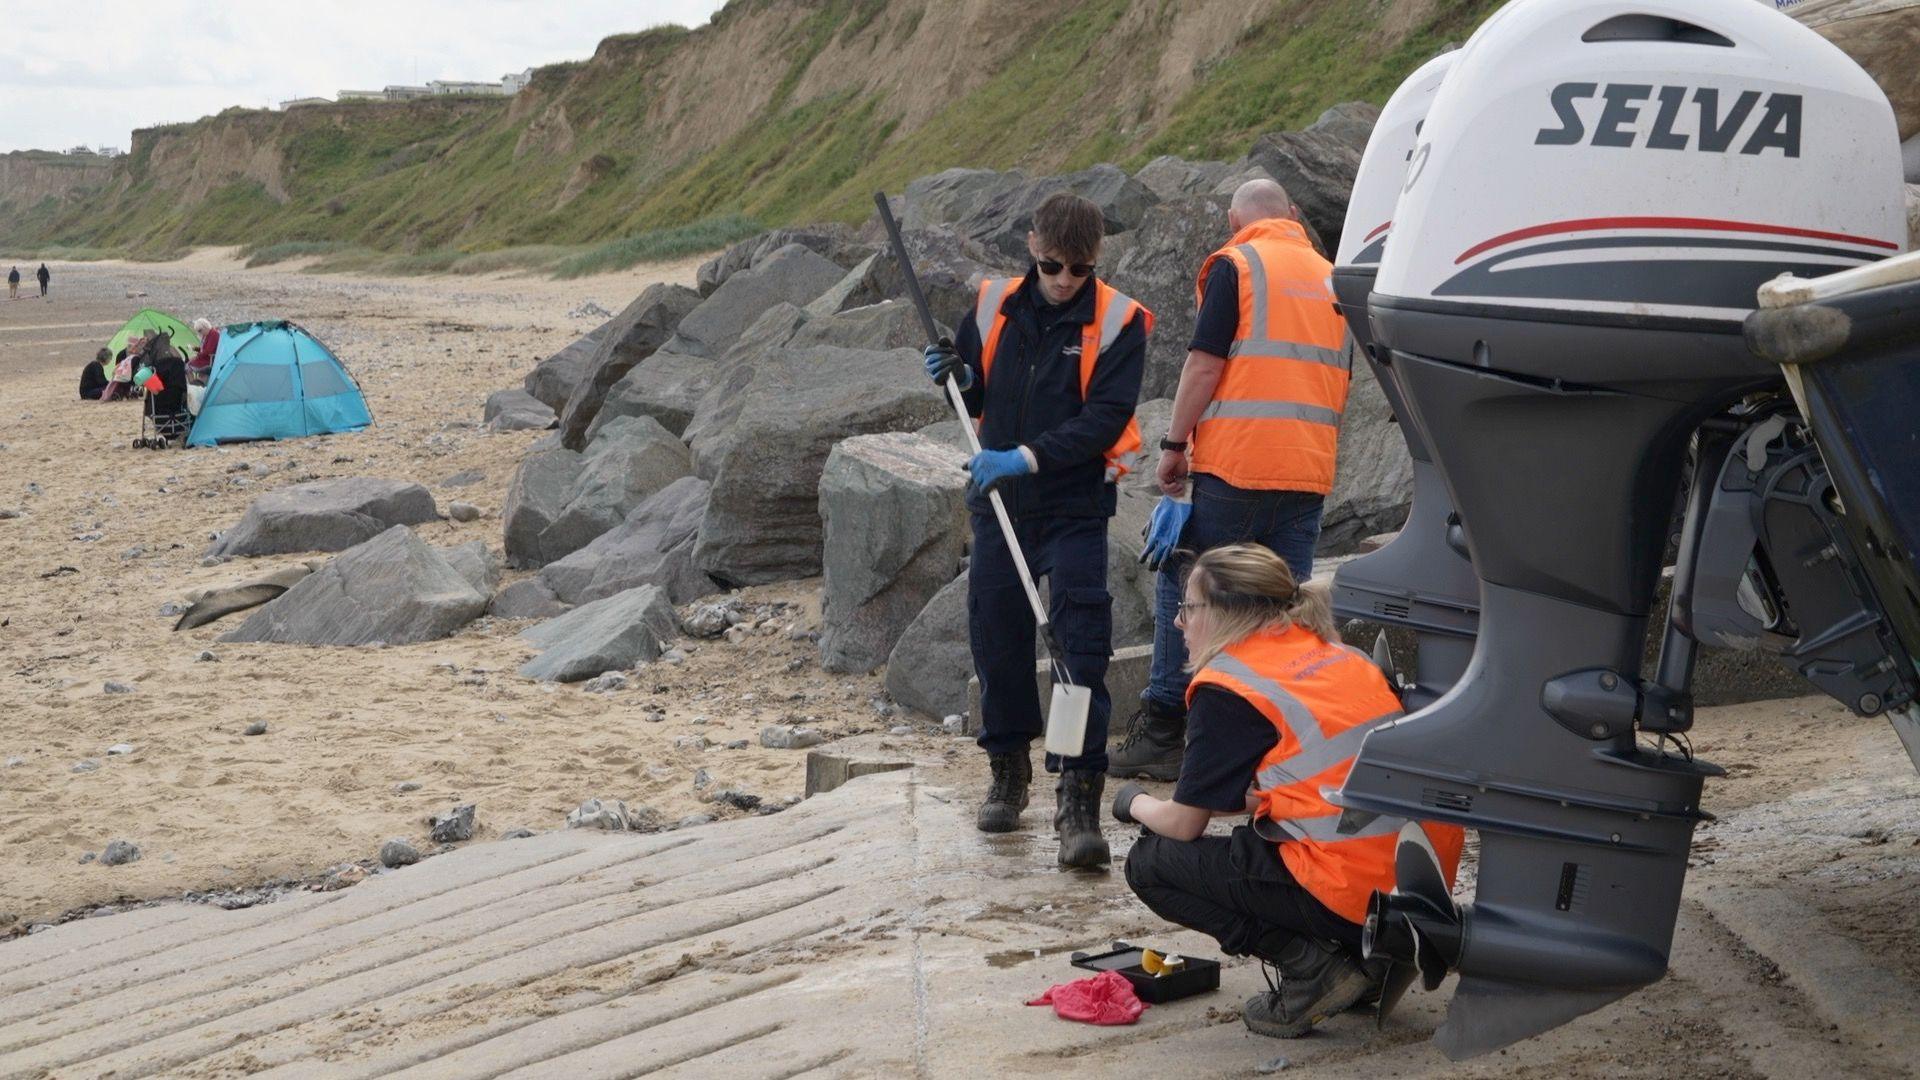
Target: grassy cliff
{"points": [[778, 111]]}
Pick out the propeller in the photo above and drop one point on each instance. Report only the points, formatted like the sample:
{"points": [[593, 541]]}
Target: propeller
{"points": [[1416, 927], [1383, 659]]}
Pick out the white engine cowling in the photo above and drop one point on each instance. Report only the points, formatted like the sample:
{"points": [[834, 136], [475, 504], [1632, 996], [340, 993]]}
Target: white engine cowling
{"points": [[1658, 158], [1383, 167]]}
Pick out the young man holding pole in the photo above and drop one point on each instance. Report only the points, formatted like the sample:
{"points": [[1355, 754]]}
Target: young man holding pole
{"points": [[1051, 364]]}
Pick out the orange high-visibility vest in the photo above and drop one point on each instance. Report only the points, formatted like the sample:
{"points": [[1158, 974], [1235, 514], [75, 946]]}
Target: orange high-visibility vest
{"points": [[1322, 698], [1112, 310], [1274, 422]]}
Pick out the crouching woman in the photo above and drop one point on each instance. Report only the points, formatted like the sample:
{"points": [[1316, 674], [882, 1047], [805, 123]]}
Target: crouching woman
{"points": [[1276, 711]]}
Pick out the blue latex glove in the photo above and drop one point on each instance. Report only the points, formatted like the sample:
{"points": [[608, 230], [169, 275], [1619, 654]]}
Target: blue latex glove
{"points": [[1163, 530], [943, 364], [990, 467]]}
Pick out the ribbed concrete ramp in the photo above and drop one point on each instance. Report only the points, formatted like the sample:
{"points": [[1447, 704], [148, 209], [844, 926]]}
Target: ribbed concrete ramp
{"points": [[868, 932]]}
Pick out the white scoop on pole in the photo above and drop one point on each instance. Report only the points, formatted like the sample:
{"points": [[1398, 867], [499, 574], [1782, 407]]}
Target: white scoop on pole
{"points": [[1067, 712]]}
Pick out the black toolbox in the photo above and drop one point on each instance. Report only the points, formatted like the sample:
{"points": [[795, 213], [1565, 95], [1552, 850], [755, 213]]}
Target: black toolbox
{"points": [[1198, 976]]}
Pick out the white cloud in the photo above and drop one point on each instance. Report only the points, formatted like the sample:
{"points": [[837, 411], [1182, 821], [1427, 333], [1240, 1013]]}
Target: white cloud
{"points": [[90, 71]]}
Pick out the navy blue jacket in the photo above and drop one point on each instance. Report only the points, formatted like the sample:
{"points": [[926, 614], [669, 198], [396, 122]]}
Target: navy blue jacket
{"points": [[1034, 400]]}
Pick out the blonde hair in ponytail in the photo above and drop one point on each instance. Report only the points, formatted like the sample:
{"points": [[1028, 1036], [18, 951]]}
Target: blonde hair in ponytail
{"points": [[1247, 589]]}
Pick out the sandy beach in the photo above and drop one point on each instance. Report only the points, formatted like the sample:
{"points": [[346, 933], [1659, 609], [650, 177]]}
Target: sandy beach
{"points": [[213, 809]]}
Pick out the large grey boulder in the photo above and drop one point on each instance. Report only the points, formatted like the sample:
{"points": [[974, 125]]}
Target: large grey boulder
{"points": [[630, 459], [763, 523], [395, 588], [928, 669], [1170, 177], [653, 546], [1161, 262], [516, 410], [528, 598], [954, 195], [474, 562], [671, 386], [635, 334], [793, 274], [1350, 121], [613, 634], [325, 515], [895, 517], [1002, 223], [540, 490], [832, 241], [553, 379], [667, 388], [1373, 475], [1317, 169]]}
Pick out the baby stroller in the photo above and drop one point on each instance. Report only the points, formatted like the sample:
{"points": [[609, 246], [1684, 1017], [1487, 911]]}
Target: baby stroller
{"points": [[164, 417]]}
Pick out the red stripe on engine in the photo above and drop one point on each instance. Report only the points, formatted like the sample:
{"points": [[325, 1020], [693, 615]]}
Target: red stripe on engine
{"points": [[1377, 230], [1707, 224]]}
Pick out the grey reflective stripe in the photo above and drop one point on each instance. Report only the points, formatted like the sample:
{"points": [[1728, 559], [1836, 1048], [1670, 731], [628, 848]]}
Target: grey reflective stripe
{"points": [[1299, 719], [1271, 410], [1326, 829], [1257, 320], [1262, 349], [1311, 761], [1115, 321], [992, 294]]}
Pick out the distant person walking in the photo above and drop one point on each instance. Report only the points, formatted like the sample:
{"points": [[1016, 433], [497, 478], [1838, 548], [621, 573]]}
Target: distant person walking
{"points": [[13, 284], [44, 277]]}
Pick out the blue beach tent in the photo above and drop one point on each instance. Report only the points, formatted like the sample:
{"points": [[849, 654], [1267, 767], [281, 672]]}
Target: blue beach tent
{"points": [[273, 380]]}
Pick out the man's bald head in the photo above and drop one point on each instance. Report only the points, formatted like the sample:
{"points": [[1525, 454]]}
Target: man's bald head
{"points": [[1258, 200]]}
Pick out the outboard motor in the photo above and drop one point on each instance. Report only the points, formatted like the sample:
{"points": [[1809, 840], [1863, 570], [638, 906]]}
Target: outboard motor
{"points": [[1598, 191], [1423, 580]]}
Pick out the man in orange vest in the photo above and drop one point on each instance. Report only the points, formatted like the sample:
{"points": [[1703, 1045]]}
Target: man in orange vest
{"points": [[1250, 449], [1051, 364], [1279, 707]]}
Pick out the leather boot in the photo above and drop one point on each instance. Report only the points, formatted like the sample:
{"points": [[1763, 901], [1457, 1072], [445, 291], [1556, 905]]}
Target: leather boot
{"points": [[1317, 979], [1156, 741], [1007, 795], [1076, 817]]}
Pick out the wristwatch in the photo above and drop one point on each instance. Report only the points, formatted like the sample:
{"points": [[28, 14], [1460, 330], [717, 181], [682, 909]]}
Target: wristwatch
{"points": [[1169, 444]]}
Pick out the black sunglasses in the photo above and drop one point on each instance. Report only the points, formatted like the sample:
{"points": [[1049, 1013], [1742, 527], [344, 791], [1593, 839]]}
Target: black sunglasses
{"points": [[1052, 269]]}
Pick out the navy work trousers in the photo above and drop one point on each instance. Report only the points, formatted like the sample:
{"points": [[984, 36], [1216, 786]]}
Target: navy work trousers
{"points": [[1071, 553]]}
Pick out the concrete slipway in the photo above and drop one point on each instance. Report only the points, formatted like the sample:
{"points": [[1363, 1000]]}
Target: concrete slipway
{"points": [[872, 932]]}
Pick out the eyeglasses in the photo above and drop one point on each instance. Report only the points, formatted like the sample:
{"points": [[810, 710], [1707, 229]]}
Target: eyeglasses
{"points": [[1185, 606], [1052, 268]]}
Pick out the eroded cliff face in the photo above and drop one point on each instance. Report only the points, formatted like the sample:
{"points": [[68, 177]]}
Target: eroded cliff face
{"points": [[30, 177], [778, 110]]}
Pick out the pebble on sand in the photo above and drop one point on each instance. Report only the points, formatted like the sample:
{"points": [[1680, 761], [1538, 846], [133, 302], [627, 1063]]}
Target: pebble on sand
{"points": [[396, 853], [453, 826], [258, 727], [114, 686], [463, 511], [119, 853]]}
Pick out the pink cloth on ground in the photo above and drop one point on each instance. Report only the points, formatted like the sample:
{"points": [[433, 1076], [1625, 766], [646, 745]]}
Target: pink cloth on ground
{"points": [[1106, 999]]}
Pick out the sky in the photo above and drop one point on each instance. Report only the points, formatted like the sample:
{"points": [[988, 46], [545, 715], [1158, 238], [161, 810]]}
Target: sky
{"points": [[90, 71]]}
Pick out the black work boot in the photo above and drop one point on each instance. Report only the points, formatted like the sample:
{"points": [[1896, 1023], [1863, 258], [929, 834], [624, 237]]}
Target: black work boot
{"points": [[1317, 979], [1076, 817], [1156, 740], [1007, 795]]}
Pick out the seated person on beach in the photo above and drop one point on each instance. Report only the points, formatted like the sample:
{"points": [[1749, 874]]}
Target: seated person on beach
{"points": [[1276, 710], [202, 361], [95, 376], [120, 383]]}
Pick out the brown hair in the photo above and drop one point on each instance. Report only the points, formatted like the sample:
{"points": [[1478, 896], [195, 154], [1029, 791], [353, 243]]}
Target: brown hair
{"points": [[1247, 588], [1070, 227]]}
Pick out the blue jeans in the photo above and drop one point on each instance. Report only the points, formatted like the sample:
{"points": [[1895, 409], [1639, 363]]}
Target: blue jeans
{"points": [[1071, 553], [1286, 521]]}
